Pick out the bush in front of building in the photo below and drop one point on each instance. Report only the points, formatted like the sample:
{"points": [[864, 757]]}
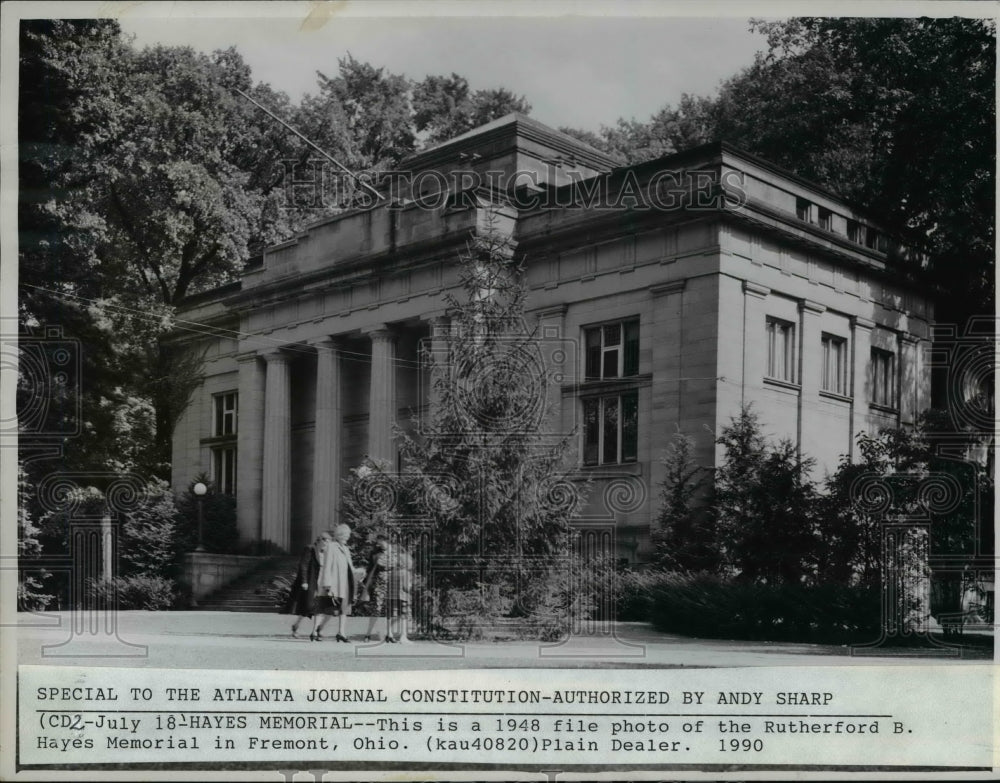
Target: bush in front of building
{"points": [[684, 534], [134, 592], [793, 561], [220, 533], [710, 606]]}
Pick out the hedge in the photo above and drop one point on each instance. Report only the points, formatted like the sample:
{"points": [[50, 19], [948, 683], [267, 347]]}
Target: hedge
{"points": [[708, 606]]}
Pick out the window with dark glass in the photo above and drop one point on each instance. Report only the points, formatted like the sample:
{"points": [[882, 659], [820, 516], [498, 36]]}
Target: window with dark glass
{"points": [[225, 414], [834, 364], [781, 350], [883, 378], [224, 469], [225, 424], [803, 209], [825, 219], [611, 429], [612, 350]]}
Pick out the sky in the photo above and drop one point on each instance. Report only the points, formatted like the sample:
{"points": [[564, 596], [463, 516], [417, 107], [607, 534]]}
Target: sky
{"points": [[575, 68]]}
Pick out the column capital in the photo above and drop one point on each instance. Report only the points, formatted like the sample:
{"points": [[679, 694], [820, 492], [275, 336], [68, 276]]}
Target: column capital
{"points": [[907, 339], [753, 289], [859, 322], [327, 342], [275, 356], [379, 333], [813, 308], [436, 317]]}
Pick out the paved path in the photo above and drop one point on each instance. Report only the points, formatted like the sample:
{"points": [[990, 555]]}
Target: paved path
{"points": [[234, 640]]}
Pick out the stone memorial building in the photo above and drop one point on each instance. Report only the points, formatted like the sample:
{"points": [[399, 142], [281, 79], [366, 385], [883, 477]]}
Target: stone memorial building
{"points": [[680, 288]]}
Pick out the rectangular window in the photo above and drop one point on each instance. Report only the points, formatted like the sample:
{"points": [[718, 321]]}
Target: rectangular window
{"points": [[854, 231], [825, 219], [225, 415], [611, 429], [834, 364], [781, 350], [883, 378], [803, 210], [612, 350], [224, 469]]}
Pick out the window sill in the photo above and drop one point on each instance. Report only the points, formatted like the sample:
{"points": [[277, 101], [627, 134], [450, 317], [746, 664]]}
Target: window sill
{"points": [[782, 384], [883, 408], [219, 440], [835, 396], [608, 385], [617, 468]]}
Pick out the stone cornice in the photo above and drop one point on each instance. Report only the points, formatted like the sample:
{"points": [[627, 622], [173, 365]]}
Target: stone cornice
{"points": [[753, 289], [673, 287]]}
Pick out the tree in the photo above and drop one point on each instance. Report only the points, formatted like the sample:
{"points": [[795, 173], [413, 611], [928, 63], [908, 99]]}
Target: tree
{"points": [[683, 536], [852, 102], [365, 112], [497, 496], [152, 177], [29, 586], [445, 107], [765, 505], [901, 475]]}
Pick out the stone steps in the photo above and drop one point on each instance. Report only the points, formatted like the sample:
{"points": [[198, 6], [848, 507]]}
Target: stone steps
{"points": [[242, 594]]}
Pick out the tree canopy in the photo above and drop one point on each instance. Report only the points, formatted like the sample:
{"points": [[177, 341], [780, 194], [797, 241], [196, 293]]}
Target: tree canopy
{"points": [[894, 114]]}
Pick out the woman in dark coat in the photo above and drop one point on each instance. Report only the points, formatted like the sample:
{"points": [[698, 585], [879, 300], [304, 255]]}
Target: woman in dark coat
{"points": [[302, 598]]}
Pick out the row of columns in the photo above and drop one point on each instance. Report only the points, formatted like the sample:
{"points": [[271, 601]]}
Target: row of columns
{"points": [[264, 498]]}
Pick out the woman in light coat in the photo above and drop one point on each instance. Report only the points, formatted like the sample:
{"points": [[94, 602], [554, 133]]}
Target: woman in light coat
{"points": [[335, 588]]}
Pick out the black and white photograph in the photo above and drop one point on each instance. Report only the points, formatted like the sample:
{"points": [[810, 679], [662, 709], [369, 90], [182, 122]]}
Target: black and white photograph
{"points": [[498, 391]]}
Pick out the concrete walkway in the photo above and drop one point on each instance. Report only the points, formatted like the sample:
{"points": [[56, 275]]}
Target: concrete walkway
{"points": [[235, 640]]}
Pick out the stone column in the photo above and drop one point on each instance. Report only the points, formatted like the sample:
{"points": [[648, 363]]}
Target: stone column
{"points": [[329, 417], [861, 347], [382, 397], [810, 351], [437, 367], [558, 367], [276, 492], [249, 447]]}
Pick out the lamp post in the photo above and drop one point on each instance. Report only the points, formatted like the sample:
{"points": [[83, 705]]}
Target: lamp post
{"points": [[199, 490]]}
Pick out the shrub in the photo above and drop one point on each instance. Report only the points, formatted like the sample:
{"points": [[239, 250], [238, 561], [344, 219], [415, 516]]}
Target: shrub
{"points": [[709, 606], [134, 592], [276, 590], [219, 529], [636, 588], [148, 534]]}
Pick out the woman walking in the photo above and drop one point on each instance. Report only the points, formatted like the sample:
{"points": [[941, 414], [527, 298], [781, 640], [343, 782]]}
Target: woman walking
{"points": [[335, 593], [302, 598], [387, 585]]}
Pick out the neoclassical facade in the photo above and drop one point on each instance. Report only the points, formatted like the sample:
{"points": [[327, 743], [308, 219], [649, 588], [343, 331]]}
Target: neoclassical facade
{"points": [[674, 292]]}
